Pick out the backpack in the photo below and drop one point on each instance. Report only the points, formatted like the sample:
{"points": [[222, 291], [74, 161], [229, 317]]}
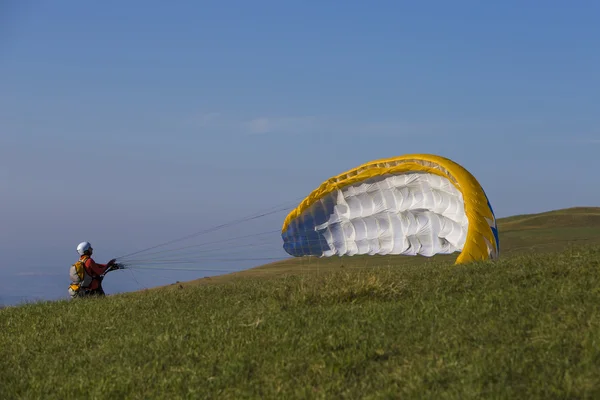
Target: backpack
{"points": [[80, 279]]}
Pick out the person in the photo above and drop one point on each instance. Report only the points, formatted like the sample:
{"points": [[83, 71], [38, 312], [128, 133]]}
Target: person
{"points": [[91, 285]]}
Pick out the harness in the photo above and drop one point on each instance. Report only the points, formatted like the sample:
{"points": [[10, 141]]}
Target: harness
{"points": [[80, 279]]}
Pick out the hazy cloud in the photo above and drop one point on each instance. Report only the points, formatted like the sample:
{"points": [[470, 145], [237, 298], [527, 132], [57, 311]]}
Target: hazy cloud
{"points": [[259, 125], [303, 125], [284, 125], [35, 273]]}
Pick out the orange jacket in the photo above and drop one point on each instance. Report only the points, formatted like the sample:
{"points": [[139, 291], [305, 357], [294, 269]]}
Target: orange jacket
{"points": [[94, 270]]}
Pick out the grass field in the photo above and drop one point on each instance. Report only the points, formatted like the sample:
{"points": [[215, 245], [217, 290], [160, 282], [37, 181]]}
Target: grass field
{"points": [[526, 327]]}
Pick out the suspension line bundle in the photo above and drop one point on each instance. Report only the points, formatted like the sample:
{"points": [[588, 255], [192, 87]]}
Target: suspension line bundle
{"points": [[193, 251]]}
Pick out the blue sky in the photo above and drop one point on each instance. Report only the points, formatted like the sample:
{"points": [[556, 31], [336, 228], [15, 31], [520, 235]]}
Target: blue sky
{"points": [[131, 123]]}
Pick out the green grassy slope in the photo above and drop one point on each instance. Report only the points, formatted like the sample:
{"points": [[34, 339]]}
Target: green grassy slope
{"points": [[524, 327], [551, 230]]}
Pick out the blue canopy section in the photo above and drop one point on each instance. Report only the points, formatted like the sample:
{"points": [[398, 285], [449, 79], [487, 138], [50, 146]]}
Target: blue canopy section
{"points": [[301, 238], [495, 227]]}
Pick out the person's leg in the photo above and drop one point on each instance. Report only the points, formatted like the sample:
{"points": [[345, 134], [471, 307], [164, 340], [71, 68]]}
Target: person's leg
{"points": [[97, 292], [81, 293]]}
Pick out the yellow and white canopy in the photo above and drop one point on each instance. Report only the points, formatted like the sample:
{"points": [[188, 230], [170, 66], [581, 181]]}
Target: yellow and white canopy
{"points": [[414, 204]]}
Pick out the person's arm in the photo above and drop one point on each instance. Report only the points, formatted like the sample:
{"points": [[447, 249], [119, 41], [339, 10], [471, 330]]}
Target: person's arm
{"points": [[97, 269]]}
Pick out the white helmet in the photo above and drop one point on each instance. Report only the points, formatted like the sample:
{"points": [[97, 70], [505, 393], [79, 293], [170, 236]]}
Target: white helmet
{"points": [[83, 247]]}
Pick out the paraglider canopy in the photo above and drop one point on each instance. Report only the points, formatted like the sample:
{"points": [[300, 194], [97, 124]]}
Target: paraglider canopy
{"points": [[416, 204]]}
